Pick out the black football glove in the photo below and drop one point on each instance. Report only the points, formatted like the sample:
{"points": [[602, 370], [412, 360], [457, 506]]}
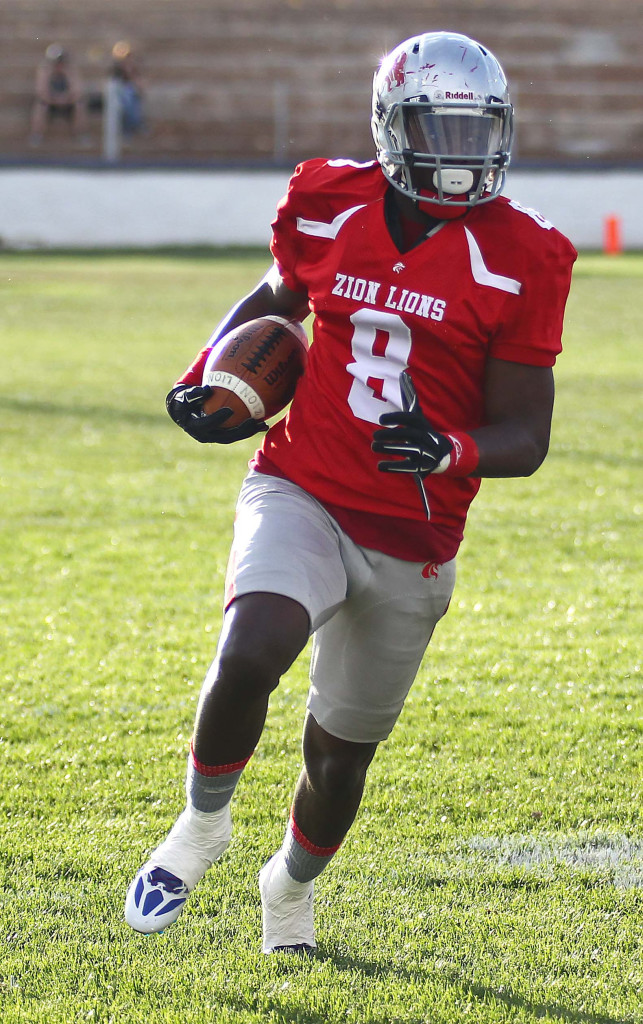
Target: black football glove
{"points": [[412, 444], [184, 403]]}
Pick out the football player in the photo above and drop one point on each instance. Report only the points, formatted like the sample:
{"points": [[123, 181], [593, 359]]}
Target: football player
{"points": [[437, 310]]}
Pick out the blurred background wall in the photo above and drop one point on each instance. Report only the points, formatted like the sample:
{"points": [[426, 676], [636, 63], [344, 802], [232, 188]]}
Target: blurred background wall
{"points": [[265, 83]]}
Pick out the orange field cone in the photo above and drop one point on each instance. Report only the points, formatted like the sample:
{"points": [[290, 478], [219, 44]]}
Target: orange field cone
{"points": [[612, 235]]}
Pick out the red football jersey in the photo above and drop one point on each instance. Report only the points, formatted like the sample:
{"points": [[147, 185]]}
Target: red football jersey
{"points": [[492, 283]]}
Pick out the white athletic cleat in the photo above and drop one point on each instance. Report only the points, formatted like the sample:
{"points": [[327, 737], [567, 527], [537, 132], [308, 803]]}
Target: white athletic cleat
{"points": [[154, 899], [287, 910], [158, 892]]}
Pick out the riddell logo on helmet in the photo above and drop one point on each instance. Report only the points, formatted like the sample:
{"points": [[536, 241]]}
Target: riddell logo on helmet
{"points": [[459, 96]]}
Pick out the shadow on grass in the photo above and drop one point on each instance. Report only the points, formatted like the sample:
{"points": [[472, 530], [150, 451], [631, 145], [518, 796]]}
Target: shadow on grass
{"points": [[33, 405], [369, 969], [481, 993]]}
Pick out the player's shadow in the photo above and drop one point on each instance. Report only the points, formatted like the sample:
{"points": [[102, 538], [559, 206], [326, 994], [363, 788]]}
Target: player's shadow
{"points": [[470, 990], [94, 414]]}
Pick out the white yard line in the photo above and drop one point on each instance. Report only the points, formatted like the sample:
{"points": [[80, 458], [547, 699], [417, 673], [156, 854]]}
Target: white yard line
{"points": [[616, 856]]}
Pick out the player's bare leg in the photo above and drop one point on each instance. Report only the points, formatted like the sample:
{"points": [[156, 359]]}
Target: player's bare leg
{"points": [[262, 635], [327, 797], [331, 784]]}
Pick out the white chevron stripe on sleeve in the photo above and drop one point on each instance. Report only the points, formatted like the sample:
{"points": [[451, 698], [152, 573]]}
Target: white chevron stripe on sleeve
{"points": [[483, 276], [322, 229]]}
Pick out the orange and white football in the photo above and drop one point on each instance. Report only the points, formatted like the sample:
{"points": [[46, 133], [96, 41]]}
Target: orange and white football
{"points": [[254, 368]]}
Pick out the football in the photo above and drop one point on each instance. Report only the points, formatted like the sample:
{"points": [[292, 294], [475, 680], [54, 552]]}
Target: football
{"points": [[254, 368]]}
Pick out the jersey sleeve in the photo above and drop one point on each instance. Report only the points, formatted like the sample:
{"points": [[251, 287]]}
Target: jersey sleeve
{"points": [[283, 245], [317, 192], [531, 327]]}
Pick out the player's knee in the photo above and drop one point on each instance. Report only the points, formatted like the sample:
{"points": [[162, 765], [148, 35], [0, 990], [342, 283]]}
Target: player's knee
{"points": [[336, 775], [261, 637], [247, 670]]}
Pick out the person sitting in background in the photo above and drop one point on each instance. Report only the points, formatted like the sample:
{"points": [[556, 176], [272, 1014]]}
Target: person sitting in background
{"points": [[59, 93], [129, 89]]}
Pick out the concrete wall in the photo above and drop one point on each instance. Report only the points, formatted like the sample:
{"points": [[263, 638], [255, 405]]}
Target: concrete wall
{"points": [[51, 207]]}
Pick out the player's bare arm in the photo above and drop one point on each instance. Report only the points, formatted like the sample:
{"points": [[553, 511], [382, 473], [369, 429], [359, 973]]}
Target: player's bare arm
{"points": [[270, 297], [519, 401]]}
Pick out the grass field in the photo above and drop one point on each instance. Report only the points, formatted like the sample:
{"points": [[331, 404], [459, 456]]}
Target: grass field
{"points": [[495, 871]]}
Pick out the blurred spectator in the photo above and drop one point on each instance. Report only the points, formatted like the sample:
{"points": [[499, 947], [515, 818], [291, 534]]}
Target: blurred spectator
{"points": [[59, 92], [129, 89]]}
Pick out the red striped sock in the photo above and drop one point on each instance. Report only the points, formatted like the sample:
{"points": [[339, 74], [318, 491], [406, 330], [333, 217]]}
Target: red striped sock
{"points": [[210, 787], [210, 770], [304, 859]]}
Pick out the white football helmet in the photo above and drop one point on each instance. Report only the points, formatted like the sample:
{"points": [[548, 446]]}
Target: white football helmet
{"points": [[442, 120]]}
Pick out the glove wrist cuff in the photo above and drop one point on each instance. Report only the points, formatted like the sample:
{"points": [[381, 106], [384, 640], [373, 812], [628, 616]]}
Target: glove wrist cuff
{"points": [[194, 373], [463, 458]]}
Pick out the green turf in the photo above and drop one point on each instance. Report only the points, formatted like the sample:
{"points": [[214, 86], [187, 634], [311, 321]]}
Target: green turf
{"points": [[494, 873]]}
